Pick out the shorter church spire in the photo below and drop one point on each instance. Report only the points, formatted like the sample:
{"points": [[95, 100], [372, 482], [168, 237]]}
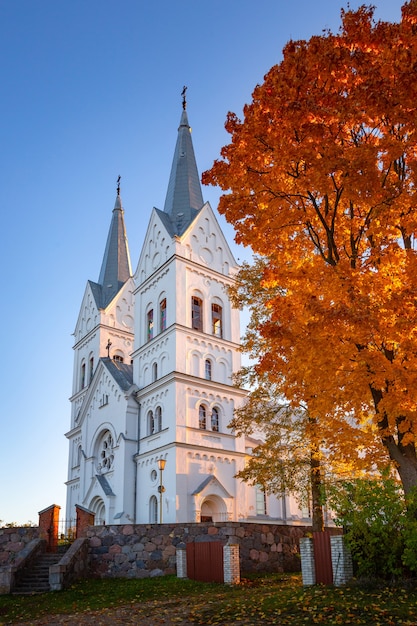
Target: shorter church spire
{"points": [[115, 268]]}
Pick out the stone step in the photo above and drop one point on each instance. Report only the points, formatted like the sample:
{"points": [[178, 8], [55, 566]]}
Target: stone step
{"points": [[35, 578]]}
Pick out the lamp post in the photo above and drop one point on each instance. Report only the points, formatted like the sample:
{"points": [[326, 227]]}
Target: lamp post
{"points": [[161, 488]]}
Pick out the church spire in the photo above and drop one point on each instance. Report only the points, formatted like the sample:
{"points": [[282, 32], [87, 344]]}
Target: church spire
{"points": [[115, 269], [184, 198]]}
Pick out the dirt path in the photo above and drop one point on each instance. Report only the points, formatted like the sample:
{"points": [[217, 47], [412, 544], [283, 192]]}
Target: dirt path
{"points": [[155, 613]]}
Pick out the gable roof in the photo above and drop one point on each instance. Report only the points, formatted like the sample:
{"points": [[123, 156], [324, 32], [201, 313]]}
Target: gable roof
{"points": [[121, 372], [215, 485]]}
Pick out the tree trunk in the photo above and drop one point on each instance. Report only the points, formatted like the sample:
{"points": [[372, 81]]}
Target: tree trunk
{"points": [[316, 492], [404, 458]]}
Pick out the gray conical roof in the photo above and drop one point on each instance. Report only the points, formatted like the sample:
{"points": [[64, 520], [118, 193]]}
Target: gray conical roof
{"points": [[115, 269], [184, 198]]}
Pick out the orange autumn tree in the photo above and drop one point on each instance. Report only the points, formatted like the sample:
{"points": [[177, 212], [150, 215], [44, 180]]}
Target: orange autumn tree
{"points": [[321, 179]]}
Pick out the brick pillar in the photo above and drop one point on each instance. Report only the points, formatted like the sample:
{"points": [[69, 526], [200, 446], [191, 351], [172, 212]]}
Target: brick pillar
{"points": [[85, 518], [341, 561], [307, 561], [231, 565], [48, 526], [181, 556]]}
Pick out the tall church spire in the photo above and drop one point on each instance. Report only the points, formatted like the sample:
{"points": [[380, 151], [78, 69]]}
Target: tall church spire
{"points": [[184, 198], [115, 269]]}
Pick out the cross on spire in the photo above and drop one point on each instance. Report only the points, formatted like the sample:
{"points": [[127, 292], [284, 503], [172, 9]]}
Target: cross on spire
{"points": [[184, 97]]}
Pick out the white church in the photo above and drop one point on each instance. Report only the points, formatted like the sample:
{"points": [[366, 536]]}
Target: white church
{"points": [[154, 355]]}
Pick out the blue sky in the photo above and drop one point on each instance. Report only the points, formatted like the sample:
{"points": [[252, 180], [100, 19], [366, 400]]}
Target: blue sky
{"points": [[90, 89]]}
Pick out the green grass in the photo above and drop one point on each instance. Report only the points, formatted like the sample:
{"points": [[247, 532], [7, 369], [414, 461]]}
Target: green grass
{"points": [[275, 600]]}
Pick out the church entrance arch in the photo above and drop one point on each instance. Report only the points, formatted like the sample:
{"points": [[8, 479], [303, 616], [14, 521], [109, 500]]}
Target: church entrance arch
{"points": [[98, 507], [213, 509]]}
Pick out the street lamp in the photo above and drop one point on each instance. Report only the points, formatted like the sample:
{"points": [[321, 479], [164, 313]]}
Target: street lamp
{"points": [[161, 488]]}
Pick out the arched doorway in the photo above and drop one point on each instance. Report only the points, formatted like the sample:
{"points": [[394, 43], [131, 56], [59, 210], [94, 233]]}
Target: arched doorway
{"points": [[213, 509], [98, 507]]}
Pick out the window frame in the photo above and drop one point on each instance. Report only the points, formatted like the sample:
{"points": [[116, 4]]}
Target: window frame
{"points": [[196, 313], [215, 419], [149, 325], [158, 419], [202, 417], [217, 320], [208, 369], [162, 315], [260, 500]]}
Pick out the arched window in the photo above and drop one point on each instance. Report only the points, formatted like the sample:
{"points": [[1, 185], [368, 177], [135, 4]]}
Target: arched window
{"points": [[215, 419], [153, 510], [91, 370], [217, 320], [202, 412], [207, 369], [82, 380], [151, 423], [158, 419], [154, 372], [118, 358], [149, 325], [162, 315], [196, 313]]}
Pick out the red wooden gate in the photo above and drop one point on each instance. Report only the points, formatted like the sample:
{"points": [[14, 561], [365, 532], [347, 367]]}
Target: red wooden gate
{"points": [[205, 561], [323, 558]]}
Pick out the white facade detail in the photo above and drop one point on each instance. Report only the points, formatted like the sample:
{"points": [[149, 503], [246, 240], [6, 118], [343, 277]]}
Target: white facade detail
{"points": [[154, 356]]}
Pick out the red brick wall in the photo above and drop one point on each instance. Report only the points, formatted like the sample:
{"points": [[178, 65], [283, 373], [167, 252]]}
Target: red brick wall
{"points": [[48, 526]]}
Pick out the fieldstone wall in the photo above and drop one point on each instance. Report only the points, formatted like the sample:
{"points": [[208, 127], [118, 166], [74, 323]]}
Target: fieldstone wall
{"points": [[144, 550], [13, 541]]}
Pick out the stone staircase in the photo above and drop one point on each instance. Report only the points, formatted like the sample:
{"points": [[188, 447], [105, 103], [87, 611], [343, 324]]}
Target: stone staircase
{"points": [[35, 577]]}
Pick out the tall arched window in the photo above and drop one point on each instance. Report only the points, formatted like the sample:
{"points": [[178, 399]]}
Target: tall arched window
{"points": [[207, 369], [196, 313], [162, 315], [154, 372], [82, 380], [91, 370], [158, 419], [79, 454], [202, 420], [151, 423], [215, 419], [149, 325], [217, 320], [153, 510]]}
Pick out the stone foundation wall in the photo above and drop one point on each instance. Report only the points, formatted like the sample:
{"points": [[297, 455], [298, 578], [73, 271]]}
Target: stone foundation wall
{"points": [[143, 550], [13, 541], [138, 551]]}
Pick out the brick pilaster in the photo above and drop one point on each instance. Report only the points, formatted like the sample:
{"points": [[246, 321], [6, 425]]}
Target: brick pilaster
{"points": [[231, 565], [307, 561]]}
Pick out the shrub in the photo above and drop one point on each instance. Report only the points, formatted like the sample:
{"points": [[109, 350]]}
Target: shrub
{"points": [[380, 527]]}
